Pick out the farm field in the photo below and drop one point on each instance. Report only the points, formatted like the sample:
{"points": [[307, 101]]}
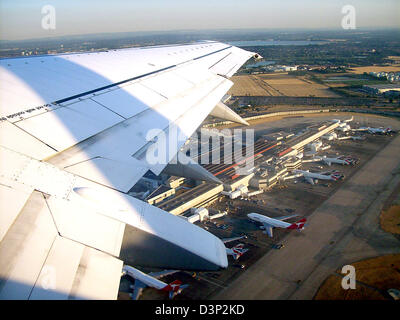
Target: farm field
{"points": [[361, 70], [278, 85]]}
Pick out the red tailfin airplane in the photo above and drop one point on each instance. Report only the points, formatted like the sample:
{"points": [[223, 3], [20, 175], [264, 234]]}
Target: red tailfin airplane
{"points": [[270, 223]]}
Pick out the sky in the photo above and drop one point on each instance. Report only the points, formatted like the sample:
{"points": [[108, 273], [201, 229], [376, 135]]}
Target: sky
{"points": [[22, 19]]}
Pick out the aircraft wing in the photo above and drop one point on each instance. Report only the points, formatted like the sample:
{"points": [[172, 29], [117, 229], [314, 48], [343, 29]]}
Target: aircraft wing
{"points": [[161, 274], [137, 289], [309, 180], [268, 229], [76, 132], [227, 240], [325, 172], [287, 217]]}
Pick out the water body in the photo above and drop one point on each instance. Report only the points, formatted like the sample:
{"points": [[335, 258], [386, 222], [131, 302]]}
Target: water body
{"points": [[341, 79], [265, 43], [260, 64]]}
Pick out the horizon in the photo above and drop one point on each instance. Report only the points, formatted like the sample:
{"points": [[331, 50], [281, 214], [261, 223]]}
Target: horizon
{"points": [[199, 31], [23, 20]]}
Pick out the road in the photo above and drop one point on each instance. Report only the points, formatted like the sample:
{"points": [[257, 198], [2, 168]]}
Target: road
{"points": [[344, 229], [313, 101]]}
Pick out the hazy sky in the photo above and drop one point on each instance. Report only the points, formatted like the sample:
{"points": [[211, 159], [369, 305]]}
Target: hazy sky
{"points": [[22, 19]]}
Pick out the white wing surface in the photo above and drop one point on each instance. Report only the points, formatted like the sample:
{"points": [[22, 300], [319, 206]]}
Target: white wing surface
{"points": [[74, 135]]}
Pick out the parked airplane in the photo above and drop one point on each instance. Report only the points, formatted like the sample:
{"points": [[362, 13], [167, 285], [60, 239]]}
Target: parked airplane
{"points": [[359, 138], [344, 127], [313, 177], [237, 251], [143, 280], [270, 223], [343, 121], [339, 160], [380, 130], [330, 136]]}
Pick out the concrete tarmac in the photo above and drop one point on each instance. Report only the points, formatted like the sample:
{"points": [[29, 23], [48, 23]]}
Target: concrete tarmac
{"points": [[344, 229]]}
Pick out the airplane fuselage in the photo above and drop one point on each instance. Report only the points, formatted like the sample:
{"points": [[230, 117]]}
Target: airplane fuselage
{"points": [[314, 175], [329, 161]]}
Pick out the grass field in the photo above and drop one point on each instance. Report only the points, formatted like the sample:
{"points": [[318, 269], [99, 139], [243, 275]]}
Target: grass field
{"points": [[361, 70], [373, 278], [278, 85], [390, 219], [249, 85], [390, 215]]}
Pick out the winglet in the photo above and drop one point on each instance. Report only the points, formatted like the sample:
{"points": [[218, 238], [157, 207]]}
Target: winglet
{"points": [[222, 111]]}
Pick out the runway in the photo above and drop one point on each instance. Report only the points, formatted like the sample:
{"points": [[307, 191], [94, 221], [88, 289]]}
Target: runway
{"points": [[344, 229]]}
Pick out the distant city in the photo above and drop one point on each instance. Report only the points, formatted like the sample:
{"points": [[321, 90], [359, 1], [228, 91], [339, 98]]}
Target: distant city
{"points": [[355, 47]]}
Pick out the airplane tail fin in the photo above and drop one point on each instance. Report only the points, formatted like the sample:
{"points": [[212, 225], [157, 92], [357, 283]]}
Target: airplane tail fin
{"points": [[175, 288], [238, 251], [336, 176], [298, 225]]}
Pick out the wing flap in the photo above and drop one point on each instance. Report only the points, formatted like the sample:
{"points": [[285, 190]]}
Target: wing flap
{"points": [[86, 225], [13, 197], [86, 274], [48, 285], [98, 276], [24, 248]]}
